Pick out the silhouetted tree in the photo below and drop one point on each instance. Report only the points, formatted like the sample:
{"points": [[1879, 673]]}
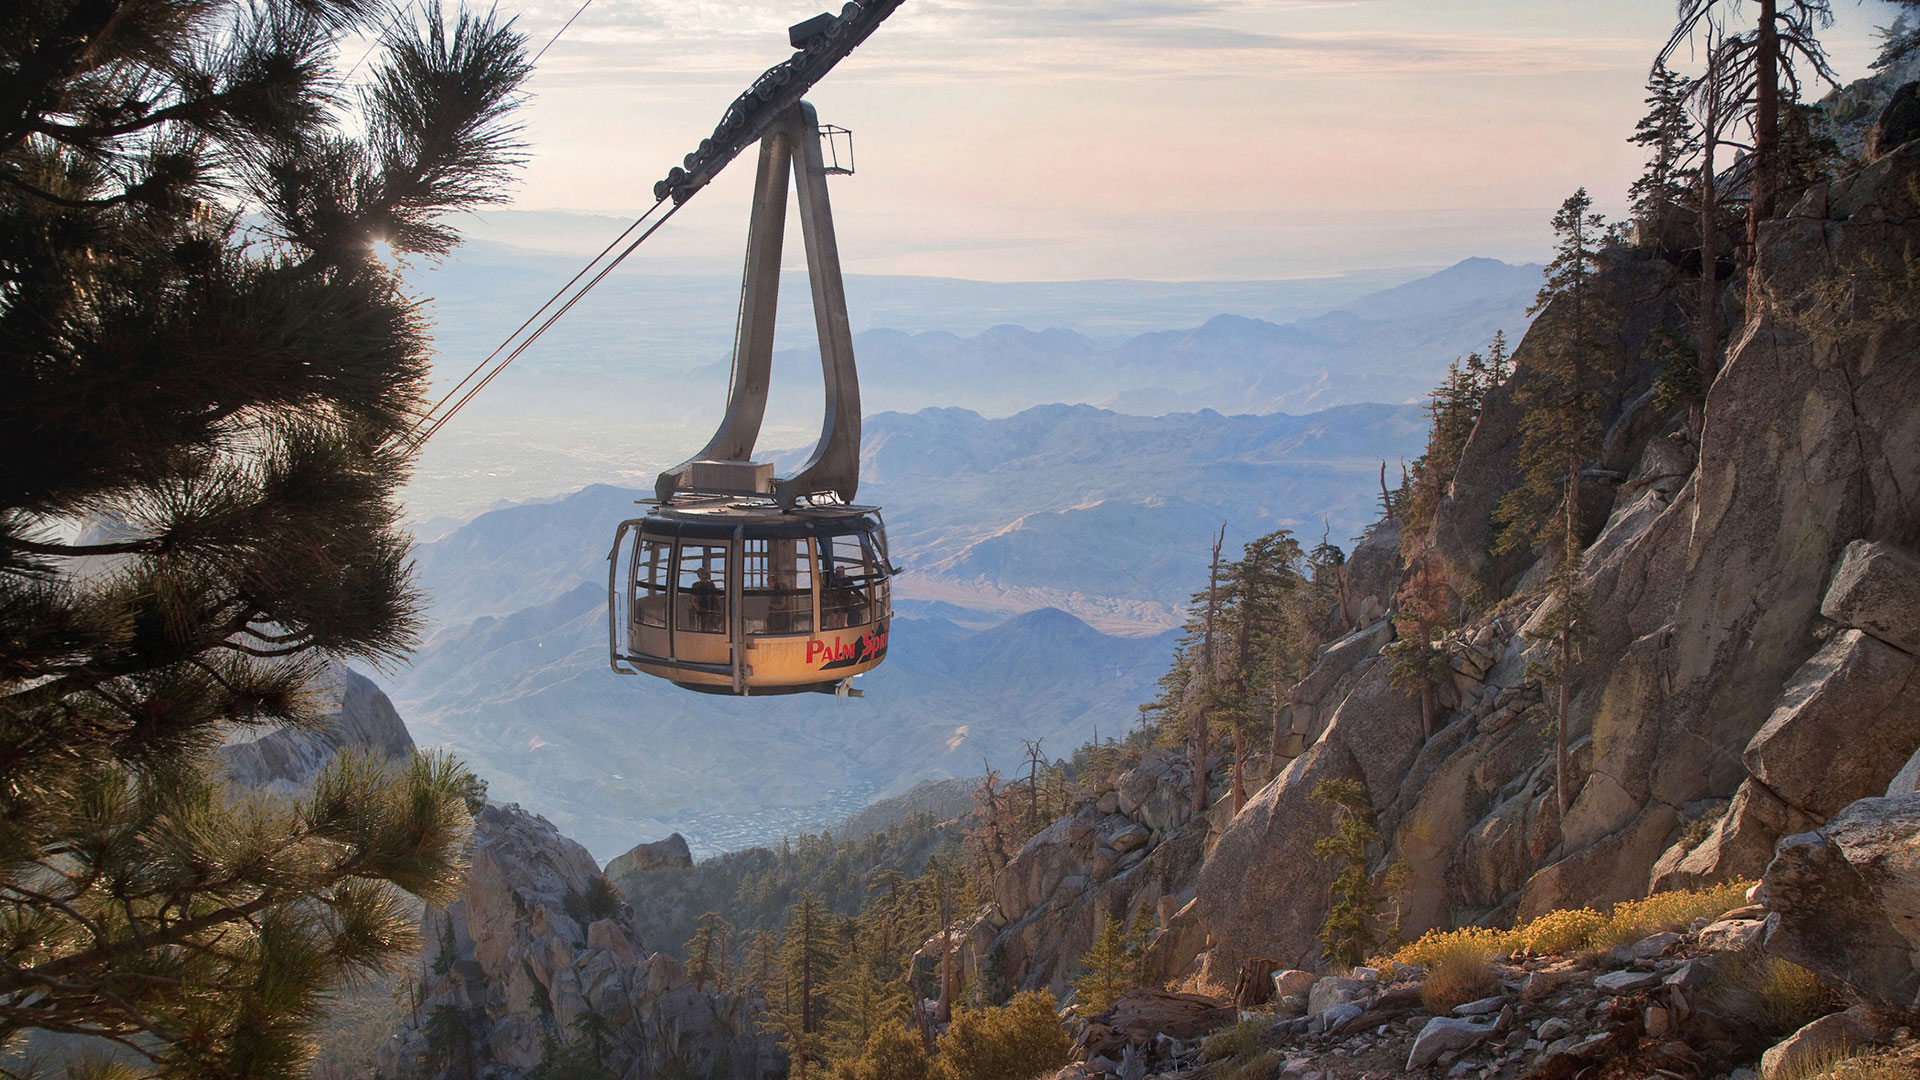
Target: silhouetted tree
{"points": [[1758, 72], [200, 415], [1668, 134]]}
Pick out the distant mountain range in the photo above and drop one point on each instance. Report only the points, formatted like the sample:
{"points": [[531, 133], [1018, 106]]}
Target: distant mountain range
{"points": [[1001, 525], [1050, 548], [636, 376]]}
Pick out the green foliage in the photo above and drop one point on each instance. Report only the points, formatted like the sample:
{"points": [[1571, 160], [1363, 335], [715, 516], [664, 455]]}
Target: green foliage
{"points": [[808, 960], [603, 900], [1355, 922], [600, 901], [1897, 42], [1671, 140], [443, 959], [1453, 408], [1020, 1040], [1115, 964], [761, 966], [1676, 364], [1560, 411], [707, 952], [753, 889], [1259, 622], [451, 1033], [990, 986], [865, 995], [890, 1053], [583, 1057], [205, 375]]}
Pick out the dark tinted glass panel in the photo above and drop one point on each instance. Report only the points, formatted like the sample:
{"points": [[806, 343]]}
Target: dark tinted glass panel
{"points": [[700, 606], [650, 582]]}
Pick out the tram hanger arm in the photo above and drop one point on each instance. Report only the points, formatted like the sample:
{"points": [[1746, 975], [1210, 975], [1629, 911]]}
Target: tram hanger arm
{"points": [[777, 89]]}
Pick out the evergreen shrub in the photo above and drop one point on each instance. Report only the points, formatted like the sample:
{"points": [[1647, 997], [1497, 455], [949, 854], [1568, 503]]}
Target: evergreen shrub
{"points": [[1017, 1041]]}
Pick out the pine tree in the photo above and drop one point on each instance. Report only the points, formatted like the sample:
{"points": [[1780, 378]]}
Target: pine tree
{"points": [[1668, 134], [1114, 965], [1258, 607], [1499, 363], [861, 999], [1422, 611], [761, 968], [1560, 427], [1899, 41], [1205, 679], [200, 416], [807, 961], [1353, 925], [707, 952]]}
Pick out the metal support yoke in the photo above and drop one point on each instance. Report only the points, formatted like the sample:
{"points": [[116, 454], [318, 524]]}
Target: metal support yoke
{"points": [[791, 143]]}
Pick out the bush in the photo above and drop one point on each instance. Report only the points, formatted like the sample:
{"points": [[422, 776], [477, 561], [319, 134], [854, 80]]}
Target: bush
{"points": [[1017, 1041], [1560, 931], [1857, 1065], [891, 1053], [1480, 943], [1632, 920], [1775, 995], [1790, 996], [1457, 979], [1577, 929], [1240, 1041]]}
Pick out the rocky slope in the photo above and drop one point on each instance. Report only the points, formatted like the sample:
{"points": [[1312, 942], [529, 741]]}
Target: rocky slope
{"points": [[285, 760], [541, 954], [1741, 608], [1743, 707], [1686, 1003]]}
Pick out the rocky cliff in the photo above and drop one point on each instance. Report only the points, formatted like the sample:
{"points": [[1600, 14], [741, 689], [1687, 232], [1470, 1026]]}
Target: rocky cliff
{"points": [[1749, 675], [285, 760], [1749, 670], [540, 958]]}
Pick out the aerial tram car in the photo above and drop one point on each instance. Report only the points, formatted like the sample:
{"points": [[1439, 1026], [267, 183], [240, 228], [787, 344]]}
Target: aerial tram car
{"points": [[736, 581]]}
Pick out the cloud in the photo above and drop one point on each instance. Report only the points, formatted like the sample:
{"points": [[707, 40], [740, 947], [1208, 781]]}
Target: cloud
{"points": [[638, 43]]}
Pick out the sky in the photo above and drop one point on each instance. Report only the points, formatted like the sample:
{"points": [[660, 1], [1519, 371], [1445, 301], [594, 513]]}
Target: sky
{"points": [[1014, 140]]}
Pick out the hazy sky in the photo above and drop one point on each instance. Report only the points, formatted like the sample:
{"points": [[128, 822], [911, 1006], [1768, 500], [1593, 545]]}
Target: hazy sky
{"points": [[1016, 140]]}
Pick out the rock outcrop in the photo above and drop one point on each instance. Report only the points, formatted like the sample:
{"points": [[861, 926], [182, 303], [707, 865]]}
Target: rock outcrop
{"points": [[285, 760], [1847, 897], [1750, 670], [1675, 1002], [540, 952], [669, 854], [1132, 843]]}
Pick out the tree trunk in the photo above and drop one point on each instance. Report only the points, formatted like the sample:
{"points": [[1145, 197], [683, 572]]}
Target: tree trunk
{"points": [[1239, 767], [1427, 708], [1198, 759], [1280, 730], [1766, 133], [1571, 556], [945, 1013], [1707, 343], [1562, 793]]}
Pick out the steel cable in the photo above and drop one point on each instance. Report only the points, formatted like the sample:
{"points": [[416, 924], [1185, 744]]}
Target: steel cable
{"points": [[416, 437]]}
